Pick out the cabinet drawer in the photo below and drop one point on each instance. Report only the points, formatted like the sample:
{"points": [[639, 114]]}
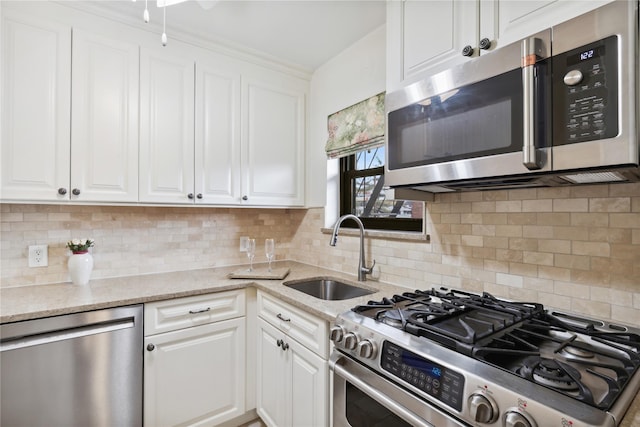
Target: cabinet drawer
{"points": [[179, 313], [307, 329]]}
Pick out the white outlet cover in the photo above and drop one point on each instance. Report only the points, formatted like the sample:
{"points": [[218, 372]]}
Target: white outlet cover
{"points": [[38, 256]]}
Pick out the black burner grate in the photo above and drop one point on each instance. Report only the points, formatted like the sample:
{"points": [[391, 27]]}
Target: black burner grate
{"points": [[574, 356]]}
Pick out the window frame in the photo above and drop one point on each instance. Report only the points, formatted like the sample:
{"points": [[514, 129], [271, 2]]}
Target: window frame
{"points": [[348, 173]]}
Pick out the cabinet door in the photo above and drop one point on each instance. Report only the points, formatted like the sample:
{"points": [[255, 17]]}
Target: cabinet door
{"points": [[195, 376], [166, 125], [505, 21], [36, 107], [274, 377], [104, 144], [426, 37], [273, 139], [292, 381], [309, 387], [217, 137]]}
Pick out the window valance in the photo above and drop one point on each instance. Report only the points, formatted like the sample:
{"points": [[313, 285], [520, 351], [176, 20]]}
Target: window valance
{"points": [[356, 128]]}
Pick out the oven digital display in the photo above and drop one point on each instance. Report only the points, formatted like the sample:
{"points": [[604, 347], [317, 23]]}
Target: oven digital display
{"points": [[423, 365], [429, 377]]}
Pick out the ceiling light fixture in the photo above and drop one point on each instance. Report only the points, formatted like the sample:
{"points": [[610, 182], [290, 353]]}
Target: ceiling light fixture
{"points": [[205, 4], [164, 4]]}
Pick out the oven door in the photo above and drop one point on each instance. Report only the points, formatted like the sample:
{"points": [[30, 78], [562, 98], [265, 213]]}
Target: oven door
{"points": [[363, 398], [486, 118]]}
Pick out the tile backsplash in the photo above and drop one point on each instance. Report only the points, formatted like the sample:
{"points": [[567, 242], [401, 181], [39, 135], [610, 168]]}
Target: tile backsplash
{"points": [[572, 248], [137, 240]]}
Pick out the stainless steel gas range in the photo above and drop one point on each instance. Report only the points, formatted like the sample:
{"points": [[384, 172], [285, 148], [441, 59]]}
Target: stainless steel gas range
{"points": [[445, 358]]}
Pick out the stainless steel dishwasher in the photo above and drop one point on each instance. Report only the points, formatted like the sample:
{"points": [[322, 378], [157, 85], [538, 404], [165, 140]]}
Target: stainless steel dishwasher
{"points": [[82, 369]]}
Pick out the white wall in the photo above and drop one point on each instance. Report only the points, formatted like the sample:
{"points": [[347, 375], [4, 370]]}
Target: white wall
{"points": [[352, 76]]}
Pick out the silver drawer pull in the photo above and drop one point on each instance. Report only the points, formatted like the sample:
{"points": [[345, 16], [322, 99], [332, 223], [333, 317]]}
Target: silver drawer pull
{"points": [[204, 310], [279, 316]]}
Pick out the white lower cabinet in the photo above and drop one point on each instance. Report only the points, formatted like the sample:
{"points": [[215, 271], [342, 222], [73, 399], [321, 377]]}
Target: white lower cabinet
{"points": [[194, 373], [292, 380]]}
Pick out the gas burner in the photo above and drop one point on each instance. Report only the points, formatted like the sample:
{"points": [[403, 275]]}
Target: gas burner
{"points": [[571, 351], [395, 318], [551, 373]]}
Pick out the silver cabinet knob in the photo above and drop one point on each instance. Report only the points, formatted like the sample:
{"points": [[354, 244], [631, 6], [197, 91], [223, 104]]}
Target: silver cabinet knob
{"points": [[75, 191], [150, 347], [485, 44], [199, 195], [190, 196], [283, 345], [467, 50], [350, 341], [245, 198], [366, 349], [482, 409], [62, 191]]}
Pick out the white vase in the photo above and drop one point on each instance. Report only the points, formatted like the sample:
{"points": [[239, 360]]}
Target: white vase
{"points": [[80, 267]]}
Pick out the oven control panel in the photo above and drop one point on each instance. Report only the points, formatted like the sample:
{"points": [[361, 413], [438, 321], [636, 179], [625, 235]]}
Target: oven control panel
{"points": [[433, 379]]}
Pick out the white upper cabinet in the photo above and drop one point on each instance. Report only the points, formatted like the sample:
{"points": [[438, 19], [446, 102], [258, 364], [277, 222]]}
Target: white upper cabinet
{"points": [[36, 108], [242, 145], [67, 140], [104, 117], [273, 138], [98, 112], [166, 125], [217, 135], [427, 37], [515, 20]]}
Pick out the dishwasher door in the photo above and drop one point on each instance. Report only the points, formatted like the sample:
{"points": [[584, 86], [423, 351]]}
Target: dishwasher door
{"points": [[82, 369]]}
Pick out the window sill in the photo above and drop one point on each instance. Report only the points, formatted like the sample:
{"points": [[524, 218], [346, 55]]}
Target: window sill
{"points": [[383, 234]]}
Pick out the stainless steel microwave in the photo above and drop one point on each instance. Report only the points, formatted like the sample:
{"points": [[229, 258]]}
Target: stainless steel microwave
{"points": [[557, 108]]}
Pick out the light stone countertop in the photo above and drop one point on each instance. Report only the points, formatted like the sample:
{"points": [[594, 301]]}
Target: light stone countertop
{"points": [[31, 302]]}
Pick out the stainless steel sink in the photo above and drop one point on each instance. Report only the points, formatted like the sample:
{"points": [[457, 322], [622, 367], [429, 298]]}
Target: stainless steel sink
{"points": [[327, 288]]}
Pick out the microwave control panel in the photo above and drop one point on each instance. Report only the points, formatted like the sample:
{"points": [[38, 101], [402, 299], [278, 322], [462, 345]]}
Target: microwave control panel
{"points": [[585, 93]]}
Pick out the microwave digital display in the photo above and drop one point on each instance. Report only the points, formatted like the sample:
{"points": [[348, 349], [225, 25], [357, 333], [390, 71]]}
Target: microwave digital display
{"points": [[593, 52]]}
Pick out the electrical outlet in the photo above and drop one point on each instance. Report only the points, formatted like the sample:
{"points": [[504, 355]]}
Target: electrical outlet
{"points": [[38, 256], [243, 243]]}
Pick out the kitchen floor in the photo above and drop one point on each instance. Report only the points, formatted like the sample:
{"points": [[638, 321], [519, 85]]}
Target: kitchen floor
{"points": [[254, 423]]}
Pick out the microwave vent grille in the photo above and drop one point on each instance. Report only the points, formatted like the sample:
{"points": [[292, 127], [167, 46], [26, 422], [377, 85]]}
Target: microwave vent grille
{"points": [[594, 177]]}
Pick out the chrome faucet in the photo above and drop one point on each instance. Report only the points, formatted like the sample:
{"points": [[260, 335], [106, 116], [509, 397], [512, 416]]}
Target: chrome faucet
{"points": [[362, 269]]}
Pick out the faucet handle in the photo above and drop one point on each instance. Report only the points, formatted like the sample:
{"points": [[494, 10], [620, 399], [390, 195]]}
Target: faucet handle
{"points": [[369, 270]]}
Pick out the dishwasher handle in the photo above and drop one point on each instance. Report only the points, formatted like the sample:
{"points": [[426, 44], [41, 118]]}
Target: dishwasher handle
{"points": [[48, 337]]}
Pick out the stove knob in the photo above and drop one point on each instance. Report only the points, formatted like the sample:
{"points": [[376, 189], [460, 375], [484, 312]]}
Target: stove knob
{"points": [[350, 341], [482, 408], [336, 334], [366, 349], [517, 419]]}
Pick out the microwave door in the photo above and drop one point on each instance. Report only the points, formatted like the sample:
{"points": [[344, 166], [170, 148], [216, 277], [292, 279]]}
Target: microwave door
{"points": [[488, 127]]}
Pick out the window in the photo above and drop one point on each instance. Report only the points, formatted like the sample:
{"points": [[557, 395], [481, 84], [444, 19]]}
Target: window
{"points": [[362, 194]]}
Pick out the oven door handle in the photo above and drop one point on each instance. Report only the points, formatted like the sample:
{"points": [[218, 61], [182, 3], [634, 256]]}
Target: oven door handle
{"points": [[375, 394], [533, 49]]}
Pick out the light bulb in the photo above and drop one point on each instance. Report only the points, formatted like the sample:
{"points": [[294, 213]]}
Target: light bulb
{"points": [[145, 16], [164, 27]]}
